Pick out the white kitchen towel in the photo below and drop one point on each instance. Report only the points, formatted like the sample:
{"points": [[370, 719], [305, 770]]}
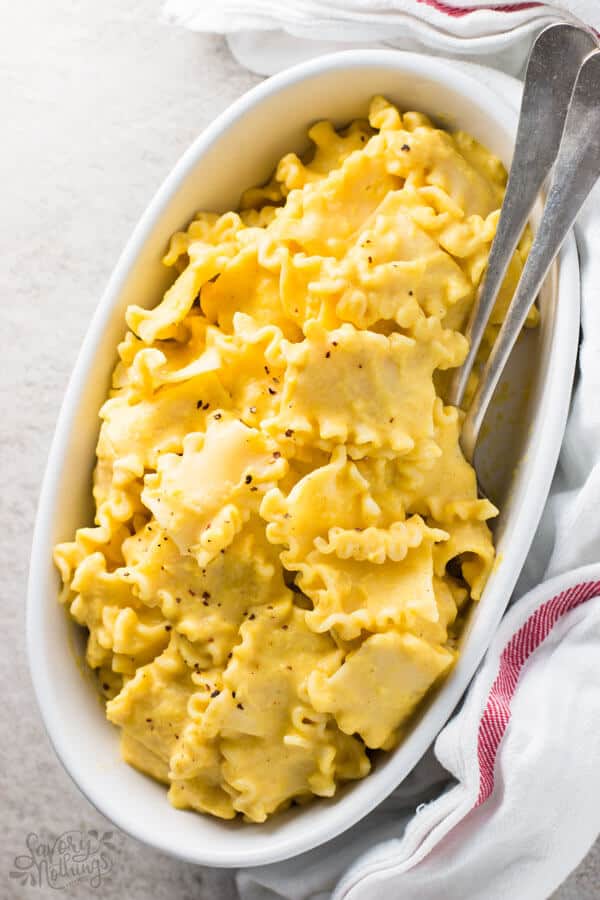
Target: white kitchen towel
{"points": [[506, 803], [268, 35]]}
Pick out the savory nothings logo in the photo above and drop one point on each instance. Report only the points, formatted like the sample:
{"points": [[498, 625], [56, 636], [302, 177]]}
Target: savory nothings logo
{"points": [[57, 862]]}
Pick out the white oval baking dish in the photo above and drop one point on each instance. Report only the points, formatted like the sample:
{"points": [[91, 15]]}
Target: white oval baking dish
{"points": [[516, 463]]}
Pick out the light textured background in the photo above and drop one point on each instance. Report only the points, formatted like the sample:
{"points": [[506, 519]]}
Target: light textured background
{"points": [[97, 101]]}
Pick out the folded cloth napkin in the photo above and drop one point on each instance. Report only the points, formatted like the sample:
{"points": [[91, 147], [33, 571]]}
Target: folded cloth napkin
{"points": [[268, 35], [505, 804]]}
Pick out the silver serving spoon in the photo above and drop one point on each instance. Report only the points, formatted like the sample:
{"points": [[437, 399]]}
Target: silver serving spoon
{"points": [[552, 68], [555, 116]]}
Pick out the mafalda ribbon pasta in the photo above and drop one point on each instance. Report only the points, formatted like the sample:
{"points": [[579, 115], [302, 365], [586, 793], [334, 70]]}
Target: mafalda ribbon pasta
{"points": [[286, 533]]}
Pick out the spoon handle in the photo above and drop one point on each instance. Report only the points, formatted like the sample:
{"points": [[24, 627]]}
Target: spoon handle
{"points": [[576, 170], [552, 68]]}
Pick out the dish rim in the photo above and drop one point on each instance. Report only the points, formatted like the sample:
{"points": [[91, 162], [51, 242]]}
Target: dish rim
{"points": [[339, 818]]}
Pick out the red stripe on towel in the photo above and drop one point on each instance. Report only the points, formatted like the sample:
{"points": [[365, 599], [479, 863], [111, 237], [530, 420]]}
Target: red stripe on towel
{"points": [[528, 638], [457, 12]]}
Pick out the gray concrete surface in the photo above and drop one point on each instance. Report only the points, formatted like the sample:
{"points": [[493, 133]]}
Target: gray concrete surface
{"points": [[97, 101]]}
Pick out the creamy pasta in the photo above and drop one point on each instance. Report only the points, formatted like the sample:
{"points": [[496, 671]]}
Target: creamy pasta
{"points": [[287, 534]]}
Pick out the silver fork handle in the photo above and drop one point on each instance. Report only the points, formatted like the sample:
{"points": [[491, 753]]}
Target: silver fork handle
{"points": [[552, 68], [576, 170]]}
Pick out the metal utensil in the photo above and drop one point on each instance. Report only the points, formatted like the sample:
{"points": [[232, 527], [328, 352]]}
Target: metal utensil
{"points": [[554, 62], [576, 170]]}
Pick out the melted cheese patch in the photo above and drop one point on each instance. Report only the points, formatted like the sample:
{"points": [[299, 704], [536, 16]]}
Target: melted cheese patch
{"points": [[286, 529]]}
